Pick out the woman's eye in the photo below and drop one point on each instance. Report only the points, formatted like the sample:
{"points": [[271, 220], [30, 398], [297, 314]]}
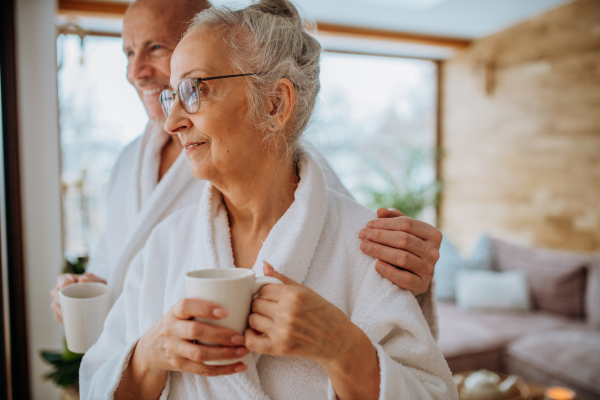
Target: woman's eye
{"points": [[129, 54], [156, 47]]}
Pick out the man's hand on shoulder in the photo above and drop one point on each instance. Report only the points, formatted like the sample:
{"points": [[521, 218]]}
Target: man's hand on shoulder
{"points": [[407, 249]]}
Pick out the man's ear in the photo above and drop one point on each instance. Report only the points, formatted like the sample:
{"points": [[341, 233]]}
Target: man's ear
{"points": [[282, 103]]}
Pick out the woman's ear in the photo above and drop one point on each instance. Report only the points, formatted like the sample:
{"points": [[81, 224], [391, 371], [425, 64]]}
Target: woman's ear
{"points": [[282, 103]]}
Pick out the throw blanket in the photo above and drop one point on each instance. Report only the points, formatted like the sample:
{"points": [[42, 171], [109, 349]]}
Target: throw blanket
{"points": [[315, 243]]}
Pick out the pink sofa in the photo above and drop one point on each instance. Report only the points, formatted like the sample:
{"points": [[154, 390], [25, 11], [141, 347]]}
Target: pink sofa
{"points": [[556, 347]]}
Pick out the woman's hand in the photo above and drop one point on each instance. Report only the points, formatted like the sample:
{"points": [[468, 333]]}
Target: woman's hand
{"points": [[66, 280], [168, 346], [293, 320]]}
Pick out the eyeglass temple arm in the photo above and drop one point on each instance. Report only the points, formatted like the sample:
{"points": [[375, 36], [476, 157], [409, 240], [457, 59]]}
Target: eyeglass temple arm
{"points": [[225, 76]]}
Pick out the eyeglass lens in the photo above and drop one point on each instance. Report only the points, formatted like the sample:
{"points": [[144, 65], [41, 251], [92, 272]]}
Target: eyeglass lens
{"points": [[188, 97], [166, 101], [188, 93]]}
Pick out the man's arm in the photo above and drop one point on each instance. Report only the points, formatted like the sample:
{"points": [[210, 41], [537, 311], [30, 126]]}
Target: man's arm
{"points": [[407, 249]]}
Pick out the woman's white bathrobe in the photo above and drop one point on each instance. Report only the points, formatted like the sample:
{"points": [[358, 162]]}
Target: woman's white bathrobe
{"points": [[315, 243]]}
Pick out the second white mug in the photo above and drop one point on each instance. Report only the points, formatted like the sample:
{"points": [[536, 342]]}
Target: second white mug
{"points": [[230, 288]]}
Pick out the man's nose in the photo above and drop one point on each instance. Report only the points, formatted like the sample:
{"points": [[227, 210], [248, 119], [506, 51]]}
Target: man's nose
{"points": [[138, 68]]}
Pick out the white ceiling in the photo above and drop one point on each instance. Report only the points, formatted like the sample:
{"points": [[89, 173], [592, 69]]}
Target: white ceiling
{"points": [[466, 19], [469, 19]]}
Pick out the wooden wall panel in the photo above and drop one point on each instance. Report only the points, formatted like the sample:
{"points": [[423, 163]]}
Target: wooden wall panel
{"points": [[521, 133]]}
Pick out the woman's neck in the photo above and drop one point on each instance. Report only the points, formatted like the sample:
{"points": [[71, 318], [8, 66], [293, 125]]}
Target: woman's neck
{"points": [[254, 205]]}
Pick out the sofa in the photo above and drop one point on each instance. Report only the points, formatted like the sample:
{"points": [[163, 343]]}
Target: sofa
{"points": [[556, 342]]}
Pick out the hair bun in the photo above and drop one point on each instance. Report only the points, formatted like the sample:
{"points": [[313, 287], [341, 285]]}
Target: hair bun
{"points": [[280, 8]]}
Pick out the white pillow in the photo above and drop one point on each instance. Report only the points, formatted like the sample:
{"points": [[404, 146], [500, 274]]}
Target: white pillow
{"points": [[489, 290]]}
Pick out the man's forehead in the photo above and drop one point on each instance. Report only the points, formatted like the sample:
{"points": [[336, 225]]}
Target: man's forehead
{"points": [[145, 23]]}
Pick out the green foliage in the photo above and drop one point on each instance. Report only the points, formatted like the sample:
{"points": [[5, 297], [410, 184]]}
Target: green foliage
{"points": [[408, 192], [66, 366], [76, 266]]}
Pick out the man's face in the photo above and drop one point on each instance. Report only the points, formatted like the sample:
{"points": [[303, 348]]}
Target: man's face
{"points": [[150, 34]]}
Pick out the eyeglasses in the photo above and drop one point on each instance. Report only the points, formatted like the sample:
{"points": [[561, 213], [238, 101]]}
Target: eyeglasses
{"points": [[188, 93]]}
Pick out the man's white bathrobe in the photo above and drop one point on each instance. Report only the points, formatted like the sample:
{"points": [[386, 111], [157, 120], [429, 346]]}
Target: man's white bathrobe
{"points": [[316, 243], [137, 202]]}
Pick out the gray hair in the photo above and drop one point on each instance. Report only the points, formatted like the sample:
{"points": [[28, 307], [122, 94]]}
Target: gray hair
{"points": [[270, 38]]}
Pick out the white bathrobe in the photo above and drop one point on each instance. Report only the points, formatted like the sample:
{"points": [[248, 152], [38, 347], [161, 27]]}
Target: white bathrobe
{"points": [[137, 202], [316, 243]]}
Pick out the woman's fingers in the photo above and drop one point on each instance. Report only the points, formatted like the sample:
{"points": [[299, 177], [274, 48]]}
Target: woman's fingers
{"points": [[265, 307], [190, 308], [197, 330], [199, 353], [256, 341], [260, 323]]}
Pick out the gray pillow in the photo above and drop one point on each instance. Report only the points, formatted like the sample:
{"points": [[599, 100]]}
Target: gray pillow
{"points": [[489, 290], [445, 271], [451, 262]]}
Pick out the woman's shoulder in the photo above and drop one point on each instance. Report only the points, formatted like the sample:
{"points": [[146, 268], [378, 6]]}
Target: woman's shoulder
{"points": [[349, 213]]}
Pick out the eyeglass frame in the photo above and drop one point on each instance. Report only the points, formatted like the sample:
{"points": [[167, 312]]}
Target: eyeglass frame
{"points": [[175, 93]]}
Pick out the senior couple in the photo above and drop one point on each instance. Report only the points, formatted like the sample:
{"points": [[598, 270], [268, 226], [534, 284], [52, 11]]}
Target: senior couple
{"points": [[242, 89]]}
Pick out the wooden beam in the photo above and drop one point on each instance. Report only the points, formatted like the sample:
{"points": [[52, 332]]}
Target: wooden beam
{"points": [[380, 34], [117, 9], [95, 8]]}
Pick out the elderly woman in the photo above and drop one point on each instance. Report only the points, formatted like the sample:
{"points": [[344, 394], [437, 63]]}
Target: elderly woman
{"points": [[245, 85]]}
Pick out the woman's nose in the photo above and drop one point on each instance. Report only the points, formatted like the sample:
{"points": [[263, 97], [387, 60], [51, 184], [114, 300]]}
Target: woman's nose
{"points": [[177, 120]]}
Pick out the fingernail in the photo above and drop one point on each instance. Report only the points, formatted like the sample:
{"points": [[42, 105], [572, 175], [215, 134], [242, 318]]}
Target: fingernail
{"points": [[371, 224], [363, 234], [242, 351], [364, 246], [378, 267], [241, 368], [238, 339], [219, 312], [268, 266], [392, 209]]}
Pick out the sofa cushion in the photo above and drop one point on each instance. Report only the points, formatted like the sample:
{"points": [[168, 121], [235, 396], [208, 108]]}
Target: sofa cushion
{"points": [[494, 291], [571, 355], [556, 280], [465, 332], [593, 294]]}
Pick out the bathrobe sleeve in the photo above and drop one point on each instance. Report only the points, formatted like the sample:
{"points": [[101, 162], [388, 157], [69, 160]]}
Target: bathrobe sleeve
{"points": [[411, 364], [104, 363]]}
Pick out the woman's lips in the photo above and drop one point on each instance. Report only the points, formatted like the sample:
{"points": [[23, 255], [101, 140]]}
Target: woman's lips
{"points": [[192, 147]]}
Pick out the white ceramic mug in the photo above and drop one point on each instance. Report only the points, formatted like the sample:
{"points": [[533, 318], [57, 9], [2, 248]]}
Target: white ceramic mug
{"points": [[84, 308], [230, 288]]}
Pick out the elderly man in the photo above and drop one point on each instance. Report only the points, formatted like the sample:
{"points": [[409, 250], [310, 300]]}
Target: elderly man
{"points": [[152, 177]]}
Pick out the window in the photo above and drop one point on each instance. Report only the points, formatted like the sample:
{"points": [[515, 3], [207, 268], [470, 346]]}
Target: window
{"points": [[100, 113], [374, 121]]}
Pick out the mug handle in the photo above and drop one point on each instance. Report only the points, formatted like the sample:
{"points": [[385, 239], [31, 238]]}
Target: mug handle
{"points": [[262, 281]]}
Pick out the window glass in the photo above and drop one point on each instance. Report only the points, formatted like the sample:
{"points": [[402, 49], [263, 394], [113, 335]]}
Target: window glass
{"points": [[375, 124], [100, 113]]}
